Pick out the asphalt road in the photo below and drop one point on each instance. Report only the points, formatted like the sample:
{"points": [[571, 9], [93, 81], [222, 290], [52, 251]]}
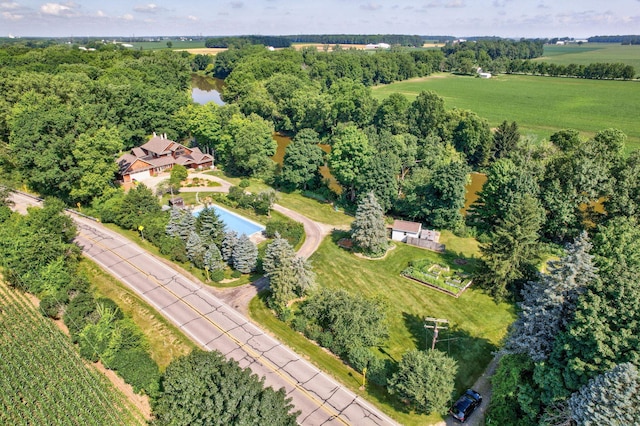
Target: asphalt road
{"points": [[214, 325]]}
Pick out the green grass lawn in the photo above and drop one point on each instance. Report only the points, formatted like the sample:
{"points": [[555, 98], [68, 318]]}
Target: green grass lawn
{"points": [[592, 52], [477, 323], [540, 105]]}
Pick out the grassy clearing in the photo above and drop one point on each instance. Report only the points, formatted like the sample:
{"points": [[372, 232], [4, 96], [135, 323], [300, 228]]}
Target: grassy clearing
{"points": [[592, 52], [477, 323], [540, 105], [314, 209], [166, 342]]}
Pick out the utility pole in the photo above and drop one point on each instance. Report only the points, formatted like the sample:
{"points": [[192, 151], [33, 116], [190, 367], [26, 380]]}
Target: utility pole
{"points": [[438, 324]]}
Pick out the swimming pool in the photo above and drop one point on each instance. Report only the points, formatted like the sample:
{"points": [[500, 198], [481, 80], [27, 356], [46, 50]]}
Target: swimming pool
{"points": [[235, 222]]}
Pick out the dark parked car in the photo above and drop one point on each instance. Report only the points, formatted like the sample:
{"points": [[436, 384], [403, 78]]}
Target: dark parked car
{"points": [[465, 405]]}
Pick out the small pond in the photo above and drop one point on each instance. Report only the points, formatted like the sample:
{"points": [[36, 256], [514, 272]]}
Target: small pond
{"points": [[235, 222], [206, 89]]}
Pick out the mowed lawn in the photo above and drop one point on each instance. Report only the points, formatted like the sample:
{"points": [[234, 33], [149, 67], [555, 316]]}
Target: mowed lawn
{"points": [[477, 323], [540, 105]]}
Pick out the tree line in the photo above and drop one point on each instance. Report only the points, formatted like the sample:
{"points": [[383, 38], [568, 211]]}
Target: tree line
{"points": [[622, 39]]}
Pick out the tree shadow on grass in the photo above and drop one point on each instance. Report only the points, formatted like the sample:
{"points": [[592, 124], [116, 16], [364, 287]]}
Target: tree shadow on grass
{"points": [[472, 354]]}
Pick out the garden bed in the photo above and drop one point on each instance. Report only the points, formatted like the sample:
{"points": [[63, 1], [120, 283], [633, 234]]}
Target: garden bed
{"points": [[440, 278]]}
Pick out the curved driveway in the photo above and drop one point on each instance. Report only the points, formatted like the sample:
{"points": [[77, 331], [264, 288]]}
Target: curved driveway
{"points": [[215, 325]]}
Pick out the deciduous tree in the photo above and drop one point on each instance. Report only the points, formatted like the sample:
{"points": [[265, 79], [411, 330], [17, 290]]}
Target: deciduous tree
{"points": [[425, 380]]}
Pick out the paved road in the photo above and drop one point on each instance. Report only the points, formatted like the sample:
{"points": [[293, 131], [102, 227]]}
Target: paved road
{"points": [[215, 325]]}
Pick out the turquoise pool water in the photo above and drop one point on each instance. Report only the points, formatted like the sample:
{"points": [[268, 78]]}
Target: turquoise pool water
{"points": [[235, 222]]}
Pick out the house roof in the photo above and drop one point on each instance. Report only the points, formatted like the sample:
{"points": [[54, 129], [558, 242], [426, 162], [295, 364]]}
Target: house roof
{"points": [[406, 226], [126, 161], [158, 145]]}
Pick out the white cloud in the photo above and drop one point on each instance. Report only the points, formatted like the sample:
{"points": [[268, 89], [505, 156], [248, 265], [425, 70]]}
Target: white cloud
{"points": [[9, 6], [127, 17], [237, 4], [56, 9], [100, 14], [148, 8], [11, 16], [192, 18]]}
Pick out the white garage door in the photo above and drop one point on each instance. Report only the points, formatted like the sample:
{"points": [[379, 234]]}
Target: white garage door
{"points": [[141, 175]]}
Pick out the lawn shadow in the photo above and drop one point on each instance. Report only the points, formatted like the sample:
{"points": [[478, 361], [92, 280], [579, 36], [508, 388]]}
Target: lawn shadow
{"points": [[472, 354]]}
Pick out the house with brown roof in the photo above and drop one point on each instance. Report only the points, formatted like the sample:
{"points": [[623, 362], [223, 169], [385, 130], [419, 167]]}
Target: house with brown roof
{"points": [[158, 155]]}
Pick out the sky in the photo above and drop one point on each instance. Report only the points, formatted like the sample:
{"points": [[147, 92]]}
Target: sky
{"points": [[459, 18]]}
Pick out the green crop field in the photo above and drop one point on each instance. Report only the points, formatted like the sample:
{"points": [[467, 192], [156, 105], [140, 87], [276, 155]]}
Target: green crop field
{"points": [[540, 105], [43, 380], [592, 52]]}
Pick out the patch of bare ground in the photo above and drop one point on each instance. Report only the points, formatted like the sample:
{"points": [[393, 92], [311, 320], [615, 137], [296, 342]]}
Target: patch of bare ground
{"points": [[141, 402], [204, 50]]}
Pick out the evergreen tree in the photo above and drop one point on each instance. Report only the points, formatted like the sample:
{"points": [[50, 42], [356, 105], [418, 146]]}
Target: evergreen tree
{"points": [[209, 226], [505, 139], [228, 246], [611, 398], [213, 259], [368, 231], [196, 250], [550, 302], [512, 249], [245, 255], [187, 225], [425, 379], [603, 331], [306, 278], [173, 225]]}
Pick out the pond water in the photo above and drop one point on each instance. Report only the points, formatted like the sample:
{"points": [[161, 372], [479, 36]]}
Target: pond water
{"points": [[206, 89], [284, 141], [235, 222], [477, 182]]}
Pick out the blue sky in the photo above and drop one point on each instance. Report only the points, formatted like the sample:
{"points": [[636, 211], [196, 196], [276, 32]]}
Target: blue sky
{"points": [[505, 18]]}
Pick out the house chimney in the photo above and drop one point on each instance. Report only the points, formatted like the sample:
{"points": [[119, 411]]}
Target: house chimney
{"points": [[154, 134], [165, 135]]}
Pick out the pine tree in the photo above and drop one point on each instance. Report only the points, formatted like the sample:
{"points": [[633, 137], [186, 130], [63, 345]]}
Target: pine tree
{"points": [[612, 398], [213, 259], [209, 226], [245, 255], [195, 250], [228, 246], [279, 254], [513, 247], [186, 225], [550, 302], [174, 222], [306, 278], [368, 231]]}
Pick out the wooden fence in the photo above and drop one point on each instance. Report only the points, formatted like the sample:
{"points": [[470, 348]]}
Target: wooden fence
{"points": [[426, 244]]}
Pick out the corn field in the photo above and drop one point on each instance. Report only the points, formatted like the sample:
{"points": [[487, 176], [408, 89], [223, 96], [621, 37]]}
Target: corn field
{"points": [[43, 380]]}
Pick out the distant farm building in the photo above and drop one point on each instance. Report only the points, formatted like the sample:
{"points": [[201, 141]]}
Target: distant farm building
{"points": [[158, 155], [413, 234], [372, 46]]}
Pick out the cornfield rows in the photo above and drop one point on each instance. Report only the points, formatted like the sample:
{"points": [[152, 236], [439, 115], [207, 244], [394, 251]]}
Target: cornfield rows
{"points": [[43, 380]]}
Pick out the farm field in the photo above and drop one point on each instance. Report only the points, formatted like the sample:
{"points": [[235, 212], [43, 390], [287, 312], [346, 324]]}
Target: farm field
{"points": [[43, 380], [477, 323], [540, 105], [592, 52], [162, 44]]}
